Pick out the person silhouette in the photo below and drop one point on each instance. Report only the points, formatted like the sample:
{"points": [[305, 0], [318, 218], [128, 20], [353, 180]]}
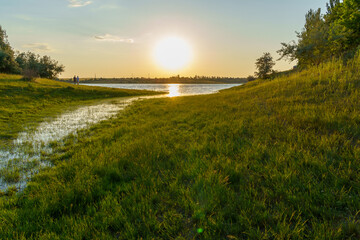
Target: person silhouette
{"points": [[77, 80], [74, 78]]}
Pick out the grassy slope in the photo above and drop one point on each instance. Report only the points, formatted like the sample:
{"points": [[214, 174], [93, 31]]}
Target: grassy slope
{"points": [[23, 102], [273, 159]]}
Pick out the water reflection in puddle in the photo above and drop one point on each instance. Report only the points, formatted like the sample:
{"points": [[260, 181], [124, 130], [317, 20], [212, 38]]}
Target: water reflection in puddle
{"points": [[20, 162]]}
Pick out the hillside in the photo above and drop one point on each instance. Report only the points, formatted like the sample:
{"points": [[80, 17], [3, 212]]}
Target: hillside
{"points": [[272, 159]]}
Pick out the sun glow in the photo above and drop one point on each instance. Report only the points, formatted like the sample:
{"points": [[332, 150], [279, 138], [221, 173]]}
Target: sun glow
{"points": [[172, 53]]}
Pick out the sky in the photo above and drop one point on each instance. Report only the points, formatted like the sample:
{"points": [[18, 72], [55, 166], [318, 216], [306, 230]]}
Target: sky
{"points": [[117, 38]]}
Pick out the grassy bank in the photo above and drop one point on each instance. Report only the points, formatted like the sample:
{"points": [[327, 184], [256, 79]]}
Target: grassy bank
{"points": [[24, 103], [273, 159]]}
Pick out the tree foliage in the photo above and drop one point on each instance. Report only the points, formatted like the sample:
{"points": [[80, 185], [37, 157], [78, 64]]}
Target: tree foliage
{"points": [[264, 65], [29, 64], [334, 34], [7, 59], [43, 67]]}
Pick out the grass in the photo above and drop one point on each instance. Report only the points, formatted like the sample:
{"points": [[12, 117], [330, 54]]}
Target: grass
{"points": [[25, 103], [273, 159], [18, 169], [10, 175]]}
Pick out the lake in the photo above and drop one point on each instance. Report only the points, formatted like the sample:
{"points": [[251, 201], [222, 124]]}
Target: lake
{"points": [[174, 90]]}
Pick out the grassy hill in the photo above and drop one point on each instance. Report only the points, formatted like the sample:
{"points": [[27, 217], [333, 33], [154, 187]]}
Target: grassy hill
{"points": [[275, 159]]}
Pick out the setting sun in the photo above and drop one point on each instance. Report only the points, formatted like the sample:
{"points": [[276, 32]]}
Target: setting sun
{"points": [[172, 53]]}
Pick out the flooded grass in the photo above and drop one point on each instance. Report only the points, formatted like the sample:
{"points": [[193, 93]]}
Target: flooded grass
{"points": [[10, 174], [26, 156], [35, 114], [25, 104]]}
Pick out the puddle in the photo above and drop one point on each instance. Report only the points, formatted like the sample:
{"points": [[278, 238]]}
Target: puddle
{"points": [[19, 163]]}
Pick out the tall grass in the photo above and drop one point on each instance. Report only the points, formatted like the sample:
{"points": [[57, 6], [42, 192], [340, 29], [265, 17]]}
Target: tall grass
{"points": [[273, 159]]}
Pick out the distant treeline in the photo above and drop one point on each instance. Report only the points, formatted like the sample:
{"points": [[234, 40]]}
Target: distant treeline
{"points": [[175, 79]]}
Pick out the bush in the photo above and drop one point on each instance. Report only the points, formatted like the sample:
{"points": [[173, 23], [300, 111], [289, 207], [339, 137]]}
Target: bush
{"points": [[29, 74], [250, 78]]}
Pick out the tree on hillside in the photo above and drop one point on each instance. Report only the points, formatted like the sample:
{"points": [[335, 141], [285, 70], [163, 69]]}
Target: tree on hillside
{"points": [[7, 59], [264, 66], [36, 66], [333, 35], [347, 15], [312, 42], [50, 68], [28, 64]]}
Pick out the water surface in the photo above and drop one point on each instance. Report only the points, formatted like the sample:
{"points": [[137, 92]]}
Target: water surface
{"points": [[174, 90]]}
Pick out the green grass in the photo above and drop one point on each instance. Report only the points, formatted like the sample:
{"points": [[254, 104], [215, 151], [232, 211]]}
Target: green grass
{"points": [[273, 159], [10, 175], [24, 103]]}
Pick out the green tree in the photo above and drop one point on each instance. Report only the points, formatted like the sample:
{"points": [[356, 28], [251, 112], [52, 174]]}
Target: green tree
{"points": [[36, 66], [343, 19], [346, 16], [7, 58], [312, 42], [49, 68], [264, 65], [335, 34]]}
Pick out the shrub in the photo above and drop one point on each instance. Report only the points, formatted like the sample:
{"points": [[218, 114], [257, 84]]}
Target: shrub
{"points": [[29, 74]]}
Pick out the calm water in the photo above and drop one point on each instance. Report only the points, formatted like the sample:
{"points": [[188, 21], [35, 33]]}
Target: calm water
{"points": [[174, 90]]}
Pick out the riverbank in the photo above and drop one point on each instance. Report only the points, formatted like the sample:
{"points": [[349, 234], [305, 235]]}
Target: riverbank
{"points": [[275, 159], [23, 104]]}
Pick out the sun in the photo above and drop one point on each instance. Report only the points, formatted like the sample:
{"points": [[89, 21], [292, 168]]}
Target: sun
{"points": [[172, 53]]}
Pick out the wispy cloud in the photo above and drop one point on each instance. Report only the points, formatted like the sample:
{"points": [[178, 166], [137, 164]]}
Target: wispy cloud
{"points": [[78, 3], [43, 47], [112, 38], [23, 17]]}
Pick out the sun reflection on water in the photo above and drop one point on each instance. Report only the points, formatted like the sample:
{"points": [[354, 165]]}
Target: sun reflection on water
{"points": [[174, 90]]}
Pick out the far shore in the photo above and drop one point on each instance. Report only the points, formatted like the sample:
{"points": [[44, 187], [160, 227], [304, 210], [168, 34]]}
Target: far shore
{"points": [[171, 80]]}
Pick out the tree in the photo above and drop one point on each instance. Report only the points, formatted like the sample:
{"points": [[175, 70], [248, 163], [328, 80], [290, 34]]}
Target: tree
{"points": [[28, 64], [7, 59], [49, 68], [312, 42], [264, 66], [37, 66], [333, 35], [346, 16], [250, 78]]}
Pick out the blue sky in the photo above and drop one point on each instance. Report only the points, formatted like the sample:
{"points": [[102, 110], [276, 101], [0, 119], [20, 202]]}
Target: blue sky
{"points": [[115, 38]]}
